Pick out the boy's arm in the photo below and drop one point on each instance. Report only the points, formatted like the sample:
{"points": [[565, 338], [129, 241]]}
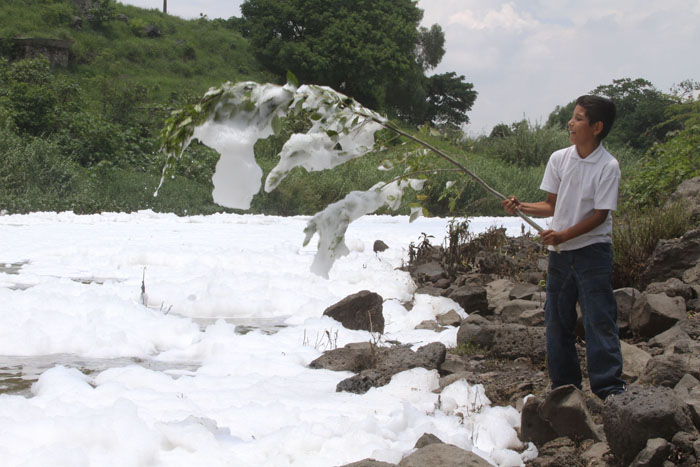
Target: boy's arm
{"points": [[551, 237], [541, 209]]}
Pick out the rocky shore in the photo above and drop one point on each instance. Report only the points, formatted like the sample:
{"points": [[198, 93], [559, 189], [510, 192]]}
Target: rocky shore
{"points": [[501, 345]]}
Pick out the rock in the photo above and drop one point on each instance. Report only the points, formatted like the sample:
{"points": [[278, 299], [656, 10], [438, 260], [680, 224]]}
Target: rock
{"points": [[443, 283], [451, 318], [559, 452], [430, 325], [524, 291], [532, 317], [353, 357], [472, 298], [426, 439], [429, 272], [667, 370], [503, 340], [151, 31], [490, 262], [688, 193], [515, 340], [653, 454], [594, 456], [625, 298], [443, 455], [653, 314], [534, 428], [363, 382], [379, 246], [369, 463], [565, 410], [430, 290], [360, 311], [642, 413], [497, 291], [671, 258], [686, 383], [634, 361], [668, 337], [673, 287], [510, 311], [392, 360]]}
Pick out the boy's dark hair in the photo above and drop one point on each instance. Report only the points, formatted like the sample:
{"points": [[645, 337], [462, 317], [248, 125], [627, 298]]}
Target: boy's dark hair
{"points": [[598, 109]]}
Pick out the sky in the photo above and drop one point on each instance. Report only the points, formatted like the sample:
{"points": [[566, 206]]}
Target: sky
{"points": [[525, 57], [209, 367]]}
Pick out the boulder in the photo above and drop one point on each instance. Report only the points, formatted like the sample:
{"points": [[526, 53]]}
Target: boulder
{"points": [[353, 357], [359, 311], [688, 193], [497, 291], [507, 340], [429, 272], [565, 410], [672, 287], [426, 439], [671, 258], [625, 298], [640, 414], [442, 455], [634, 361], [534, 428], [525, 291], [510, 311], [379, 246], [392, 360], [667, 370], [654, 453], [451, 318], [653, 314], [368, 463], [532, 317], [472, 298]]}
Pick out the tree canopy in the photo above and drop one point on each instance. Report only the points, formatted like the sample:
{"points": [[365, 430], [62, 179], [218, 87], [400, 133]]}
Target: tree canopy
{"points": [[372, 50], [641, 112]]}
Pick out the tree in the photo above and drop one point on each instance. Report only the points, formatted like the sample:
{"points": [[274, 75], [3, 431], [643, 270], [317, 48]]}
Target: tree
{"points": [[431, 47], [640, 113], [372, 50], [449, 99]]}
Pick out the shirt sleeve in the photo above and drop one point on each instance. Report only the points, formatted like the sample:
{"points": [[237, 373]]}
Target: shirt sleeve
{"points": [[608, 187], [552, 176]]}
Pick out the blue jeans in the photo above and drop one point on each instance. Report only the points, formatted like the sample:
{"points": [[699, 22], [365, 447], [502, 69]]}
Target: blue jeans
{"points": [[583, 275]]}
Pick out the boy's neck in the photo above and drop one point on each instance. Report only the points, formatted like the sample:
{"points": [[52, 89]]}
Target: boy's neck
{"points": [[586, 149]]}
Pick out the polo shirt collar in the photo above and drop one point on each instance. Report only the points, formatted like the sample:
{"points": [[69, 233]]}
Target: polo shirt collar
{"points": [[592, 157]]}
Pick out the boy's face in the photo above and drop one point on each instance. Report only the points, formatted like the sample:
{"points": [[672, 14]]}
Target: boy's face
{"points": [[581, 132]]}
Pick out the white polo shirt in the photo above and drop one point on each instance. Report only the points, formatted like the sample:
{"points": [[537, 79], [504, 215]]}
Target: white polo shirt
{"points": [[582, 185]]}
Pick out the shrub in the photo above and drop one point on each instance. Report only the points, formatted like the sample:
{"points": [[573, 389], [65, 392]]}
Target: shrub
{"points": [[526, 145], [33, 172], [663, 168], [635, 236]]}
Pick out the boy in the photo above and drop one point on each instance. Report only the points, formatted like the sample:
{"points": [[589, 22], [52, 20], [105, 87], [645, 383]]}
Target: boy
{"points": [[581, 182]]}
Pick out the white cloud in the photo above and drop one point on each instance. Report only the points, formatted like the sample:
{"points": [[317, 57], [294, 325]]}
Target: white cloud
{"points": [[505, 18]]}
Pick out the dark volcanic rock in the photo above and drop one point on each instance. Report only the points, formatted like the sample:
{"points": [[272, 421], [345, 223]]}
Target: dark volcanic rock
{"points": [[360, 311]]}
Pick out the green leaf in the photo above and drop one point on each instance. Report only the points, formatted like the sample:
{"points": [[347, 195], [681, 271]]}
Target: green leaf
{"points": [[292, 79], [315, 116], [276, 124]]}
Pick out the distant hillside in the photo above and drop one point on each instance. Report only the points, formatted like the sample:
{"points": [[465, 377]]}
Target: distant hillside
{"points": [[164, 54]]}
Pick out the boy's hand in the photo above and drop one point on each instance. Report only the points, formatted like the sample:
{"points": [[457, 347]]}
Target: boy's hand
{"points": [[510, 204], [551, 237]]}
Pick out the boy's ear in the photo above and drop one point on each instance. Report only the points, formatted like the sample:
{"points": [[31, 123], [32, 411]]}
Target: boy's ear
{"points": [[597, 127]]}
